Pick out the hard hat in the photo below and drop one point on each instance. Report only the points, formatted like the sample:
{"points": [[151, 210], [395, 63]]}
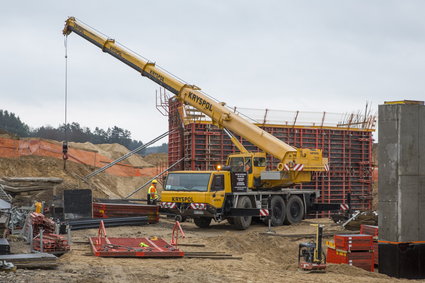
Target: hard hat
{"points": [[154, 181]]}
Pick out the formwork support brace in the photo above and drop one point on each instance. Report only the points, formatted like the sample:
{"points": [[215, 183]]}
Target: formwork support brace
{"points": [[109, 165], [153, 178]]}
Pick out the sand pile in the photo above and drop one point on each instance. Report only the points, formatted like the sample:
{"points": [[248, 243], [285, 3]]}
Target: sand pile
{"points": [[156, 158], [112, 151]]}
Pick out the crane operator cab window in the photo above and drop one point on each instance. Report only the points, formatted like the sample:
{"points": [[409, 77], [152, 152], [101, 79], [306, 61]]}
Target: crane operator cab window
{"points": [[241, 164], [260, 162], [236, 164]]}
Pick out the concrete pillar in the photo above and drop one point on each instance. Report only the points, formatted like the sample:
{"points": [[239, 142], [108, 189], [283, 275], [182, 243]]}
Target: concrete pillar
{"points": [[401, 156], [401, 172]]}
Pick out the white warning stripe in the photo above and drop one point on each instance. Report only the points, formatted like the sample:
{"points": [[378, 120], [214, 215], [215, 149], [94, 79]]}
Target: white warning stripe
{"points": [[344, 206], [298, 167], [198, 206], [264, 212], [168, 204]]}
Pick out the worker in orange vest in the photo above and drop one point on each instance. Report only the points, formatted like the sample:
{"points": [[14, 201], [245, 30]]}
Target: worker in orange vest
{"points": [[152, 193]]}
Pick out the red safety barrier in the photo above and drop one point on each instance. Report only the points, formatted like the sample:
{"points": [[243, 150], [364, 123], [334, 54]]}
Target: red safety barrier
{"points": [[175, 234], [12, 148]]}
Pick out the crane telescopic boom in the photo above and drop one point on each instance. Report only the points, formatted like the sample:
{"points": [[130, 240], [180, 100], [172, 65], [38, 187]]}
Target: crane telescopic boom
{"points": [[311, 159]]}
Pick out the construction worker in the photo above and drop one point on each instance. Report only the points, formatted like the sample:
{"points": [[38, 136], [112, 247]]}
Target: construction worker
{"points": [[38, 206], [152, 193]]}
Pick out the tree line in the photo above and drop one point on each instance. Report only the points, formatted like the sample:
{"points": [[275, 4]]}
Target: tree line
{"points": [[73, 132]]}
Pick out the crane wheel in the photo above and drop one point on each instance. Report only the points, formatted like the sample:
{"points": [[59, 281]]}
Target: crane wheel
{"points": [[243, 222], [278, 209], [294, 210], [202, 222]]}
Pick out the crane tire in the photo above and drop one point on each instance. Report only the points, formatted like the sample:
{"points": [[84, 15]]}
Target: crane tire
{"points": [[278, 211], [294, 210], [202, 222], [243, 222]]}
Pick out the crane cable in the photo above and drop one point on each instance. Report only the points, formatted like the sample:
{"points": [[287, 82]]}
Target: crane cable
{"points": [[65, 142]]}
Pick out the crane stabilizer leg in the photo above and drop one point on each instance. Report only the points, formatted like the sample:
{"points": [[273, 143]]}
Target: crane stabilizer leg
{"points": [[127, 155]]}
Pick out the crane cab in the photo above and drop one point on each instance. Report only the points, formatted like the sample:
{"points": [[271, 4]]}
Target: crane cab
{"points": [[251, 163]]}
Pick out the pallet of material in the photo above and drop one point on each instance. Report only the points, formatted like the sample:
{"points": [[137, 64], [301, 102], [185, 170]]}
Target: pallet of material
{"points": [[38, 260], [356, 242], [373, 231], [361, 259]]}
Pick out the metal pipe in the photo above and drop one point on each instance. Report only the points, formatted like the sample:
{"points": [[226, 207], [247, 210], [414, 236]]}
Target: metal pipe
{"points": [[97, 171]]}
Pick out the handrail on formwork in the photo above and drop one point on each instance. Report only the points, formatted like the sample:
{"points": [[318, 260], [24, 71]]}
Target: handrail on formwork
{"points": [[148, 182], [127, 155]]}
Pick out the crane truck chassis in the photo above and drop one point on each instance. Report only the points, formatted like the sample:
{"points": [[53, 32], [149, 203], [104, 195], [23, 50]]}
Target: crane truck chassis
{"points": [[244, 188], [224, 195]]}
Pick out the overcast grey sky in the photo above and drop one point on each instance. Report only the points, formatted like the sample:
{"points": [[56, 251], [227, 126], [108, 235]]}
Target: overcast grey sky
{"points": [[293, 55]]}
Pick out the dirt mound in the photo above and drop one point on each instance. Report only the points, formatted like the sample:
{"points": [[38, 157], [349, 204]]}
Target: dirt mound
{"points": [[112, 151], [156, 158], [117, 150], [102, 185]]}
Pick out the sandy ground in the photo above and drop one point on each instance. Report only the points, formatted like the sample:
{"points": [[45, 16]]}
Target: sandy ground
{"points": [[264, 258]]}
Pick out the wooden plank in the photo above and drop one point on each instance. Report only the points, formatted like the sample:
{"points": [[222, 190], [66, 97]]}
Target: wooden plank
{"points": [[39, 260], [25, 189], [34, 179]]}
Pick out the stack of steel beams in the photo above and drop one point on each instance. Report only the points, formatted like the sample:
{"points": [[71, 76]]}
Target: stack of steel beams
{"points": [[51, 243], [78, 224], [108, 210], [39, 221]]}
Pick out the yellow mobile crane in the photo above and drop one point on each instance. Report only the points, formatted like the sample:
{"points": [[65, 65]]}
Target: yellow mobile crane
{"points": [[244, 183]]}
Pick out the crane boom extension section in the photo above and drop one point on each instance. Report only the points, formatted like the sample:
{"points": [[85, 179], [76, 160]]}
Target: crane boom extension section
{"points": [[308, 159]]}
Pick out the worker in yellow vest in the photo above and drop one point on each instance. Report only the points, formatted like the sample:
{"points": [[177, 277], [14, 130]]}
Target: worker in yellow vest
{"points": [[153, 193], [38, 207]]}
